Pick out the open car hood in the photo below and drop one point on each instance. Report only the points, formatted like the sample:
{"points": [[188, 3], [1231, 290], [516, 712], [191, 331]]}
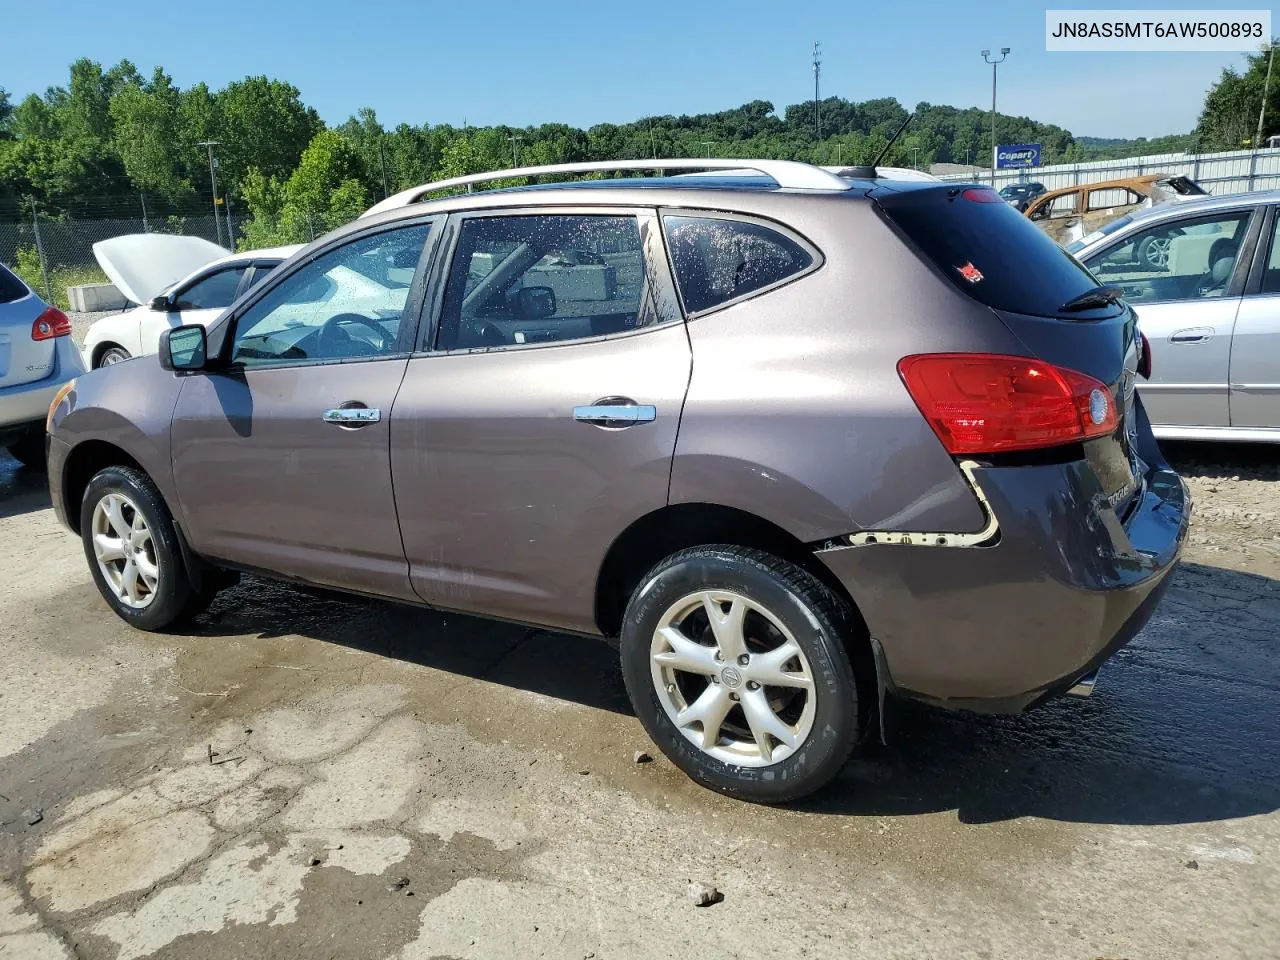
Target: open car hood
{"points": [[142, 265]]}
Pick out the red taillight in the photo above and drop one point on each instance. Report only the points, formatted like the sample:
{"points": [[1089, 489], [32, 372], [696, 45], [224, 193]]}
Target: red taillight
{"points": [[984, 403], [981, 195], [1144, 361], [52, 323]]}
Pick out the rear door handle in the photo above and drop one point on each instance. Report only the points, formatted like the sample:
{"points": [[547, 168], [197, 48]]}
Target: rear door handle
{"points": [[352, 416], [615, 413], [1191, 335]]}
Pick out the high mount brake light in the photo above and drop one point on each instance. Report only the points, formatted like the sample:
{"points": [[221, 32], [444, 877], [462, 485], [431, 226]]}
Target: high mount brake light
{"points": [[981, 195], [987, 403]]}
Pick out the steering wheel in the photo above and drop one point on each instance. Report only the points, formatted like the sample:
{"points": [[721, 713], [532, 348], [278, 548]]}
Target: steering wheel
{"points": [[327, 335]]}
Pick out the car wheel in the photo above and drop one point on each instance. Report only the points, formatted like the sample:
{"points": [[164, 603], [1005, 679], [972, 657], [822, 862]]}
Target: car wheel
{"points": [[29, 451], [132, 547], [1153, 252], [113, 354], [735, 663]]}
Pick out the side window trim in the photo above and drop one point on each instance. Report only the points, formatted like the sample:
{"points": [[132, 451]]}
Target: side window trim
{"points": [[222, 334], [662, 288], [1268, 220], [817, 258]]}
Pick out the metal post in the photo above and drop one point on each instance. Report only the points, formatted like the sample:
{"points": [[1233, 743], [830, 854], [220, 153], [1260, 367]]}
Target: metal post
{"points": [[995, 147], [146, 227], [213, 180], [44, 262], [817, 72], [652, 142], [382, 158], [515, 150], [231, 233], [1266, 85]]}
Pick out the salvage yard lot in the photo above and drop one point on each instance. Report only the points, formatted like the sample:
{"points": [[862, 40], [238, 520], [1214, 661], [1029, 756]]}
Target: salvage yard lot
{"points": [[302, 774]]}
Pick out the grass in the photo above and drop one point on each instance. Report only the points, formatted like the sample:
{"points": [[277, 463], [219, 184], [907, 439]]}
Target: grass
{"points": [[59, 279]]}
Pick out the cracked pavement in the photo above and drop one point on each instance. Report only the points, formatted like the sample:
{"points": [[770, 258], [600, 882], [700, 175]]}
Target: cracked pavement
{"points": [[307, 775]]}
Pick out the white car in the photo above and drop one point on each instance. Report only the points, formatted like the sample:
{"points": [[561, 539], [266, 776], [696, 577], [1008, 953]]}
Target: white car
{"points": [[173, 281]]}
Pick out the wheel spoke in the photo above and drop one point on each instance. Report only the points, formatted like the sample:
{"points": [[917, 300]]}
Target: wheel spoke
{"points": [[149, 571], [765, 724], [115, 516], [709, 710], [129, 582], [108, 548], [686, 654], [766, 668], [727, 627]]}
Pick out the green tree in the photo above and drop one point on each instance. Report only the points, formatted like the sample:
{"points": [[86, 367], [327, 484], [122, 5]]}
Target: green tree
{"points": [[1229, 119], [264, 124], [149, 136]]}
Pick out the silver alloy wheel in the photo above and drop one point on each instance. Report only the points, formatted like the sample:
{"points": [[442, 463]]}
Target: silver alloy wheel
{"points": [[125, 552], [1157, 252], [113, 355], [732, 678]]}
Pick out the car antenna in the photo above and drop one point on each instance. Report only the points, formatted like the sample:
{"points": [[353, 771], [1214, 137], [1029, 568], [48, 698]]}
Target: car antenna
{"points": [[868, 171]]}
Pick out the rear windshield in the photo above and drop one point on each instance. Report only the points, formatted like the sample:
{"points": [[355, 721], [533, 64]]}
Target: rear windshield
{"points": [[989, 250], [11, 288]]}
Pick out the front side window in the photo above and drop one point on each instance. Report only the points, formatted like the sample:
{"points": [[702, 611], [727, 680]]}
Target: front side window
{"points": [[528, 279], [717, 260], [214, 292], [1188, 259], [346, 304]]}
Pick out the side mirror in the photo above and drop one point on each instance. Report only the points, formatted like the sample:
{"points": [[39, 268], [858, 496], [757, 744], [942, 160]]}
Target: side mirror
{"points": [[183, 348], [536, 303], [162, 303]]}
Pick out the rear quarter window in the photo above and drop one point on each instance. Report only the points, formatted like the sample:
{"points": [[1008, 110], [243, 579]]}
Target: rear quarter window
{"points": [[987, 249], [11, 288]]}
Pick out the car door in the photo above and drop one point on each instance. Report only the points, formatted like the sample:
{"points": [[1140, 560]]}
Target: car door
{"points": [[280, 452], [201, 300], [1184, 277], [1255, 344], [541, 419]]}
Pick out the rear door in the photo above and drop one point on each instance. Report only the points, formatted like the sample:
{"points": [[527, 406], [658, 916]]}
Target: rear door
{"points": [[1255, 345], [23, 359], [540, 419], [1184, 277]]}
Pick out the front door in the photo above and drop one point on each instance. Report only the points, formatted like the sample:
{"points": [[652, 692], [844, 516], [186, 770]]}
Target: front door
{"points": [[543, 421], [1182, 279], [281, 455], [1255, 347]]}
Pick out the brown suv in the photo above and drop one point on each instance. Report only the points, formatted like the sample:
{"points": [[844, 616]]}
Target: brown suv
{"points": [[798, 439]]}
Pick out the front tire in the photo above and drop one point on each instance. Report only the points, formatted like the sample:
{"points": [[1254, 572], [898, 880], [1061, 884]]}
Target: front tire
{"points": [[735, 663], [132, 547], [111, 355]]}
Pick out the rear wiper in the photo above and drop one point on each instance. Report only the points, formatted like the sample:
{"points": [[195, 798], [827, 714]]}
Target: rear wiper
{"points": [[1092, 299]]}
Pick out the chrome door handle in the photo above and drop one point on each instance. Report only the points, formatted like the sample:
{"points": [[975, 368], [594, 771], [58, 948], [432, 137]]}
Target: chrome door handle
{"points": [[352, 416], [1191, 335], [615, 414]]}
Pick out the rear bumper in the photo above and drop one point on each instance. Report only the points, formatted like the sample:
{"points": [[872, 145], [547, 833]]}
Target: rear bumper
{"points": [[999, 628], [27, 404]]}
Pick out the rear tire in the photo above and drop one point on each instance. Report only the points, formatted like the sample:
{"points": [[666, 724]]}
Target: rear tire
{"points": [[761, 741], [112, 354], [29, 451], [133, 550]]}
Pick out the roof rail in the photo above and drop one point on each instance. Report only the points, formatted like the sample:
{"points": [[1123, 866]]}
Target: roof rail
{"points": [[790, 174]]}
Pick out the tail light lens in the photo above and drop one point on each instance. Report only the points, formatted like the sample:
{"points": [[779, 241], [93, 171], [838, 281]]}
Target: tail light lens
{"points": [[1144, 361], [984, 403], [52, 323]]}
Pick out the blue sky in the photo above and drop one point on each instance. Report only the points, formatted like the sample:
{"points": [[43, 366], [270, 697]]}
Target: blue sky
{"points": [[495, 61]]}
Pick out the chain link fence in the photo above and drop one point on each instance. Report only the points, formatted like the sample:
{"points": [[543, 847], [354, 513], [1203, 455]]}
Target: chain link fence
{"points": [[52, 253]]}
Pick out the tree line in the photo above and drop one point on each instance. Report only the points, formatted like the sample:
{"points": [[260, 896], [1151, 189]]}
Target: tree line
{"points": [[112, 135]]}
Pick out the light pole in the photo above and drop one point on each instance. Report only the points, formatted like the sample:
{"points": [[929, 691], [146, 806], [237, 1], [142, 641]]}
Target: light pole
{"points": [[1266, 85], [986, 55], [708, 144], [515, 155], [213, 179], [817, 72]]}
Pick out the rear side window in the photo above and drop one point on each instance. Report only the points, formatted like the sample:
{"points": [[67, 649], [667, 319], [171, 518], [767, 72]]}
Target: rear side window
{"points": [[11, 288], [718, 260], [989, 250]]}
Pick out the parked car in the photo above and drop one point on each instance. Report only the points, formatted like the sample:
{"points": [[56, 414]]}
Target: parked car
{"points": [[798, 441], [173, 280], [37, 356], [1205, 278], [1019, 195], [1072, 212]]}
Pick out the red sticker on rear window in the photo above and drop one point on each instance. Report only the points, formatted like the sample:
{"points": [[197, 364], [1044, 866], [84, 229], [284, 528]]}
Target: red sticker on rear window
{"points": [[970, 272]]}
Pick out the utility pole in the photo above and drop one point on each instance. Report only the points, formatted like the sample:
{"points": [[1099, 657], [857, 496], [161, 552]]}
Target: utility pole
{"points": [[1266, 85], [817, 73], [382, 159], [146, 227], [986, 55], [708, 144], [653, 143], [515, 152], [213, 179]]}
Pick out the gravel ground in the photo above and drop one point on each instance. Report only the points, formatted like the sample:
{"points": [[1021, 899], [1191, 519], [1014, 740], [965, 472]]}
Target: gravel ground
{"points": [[302, 775]]}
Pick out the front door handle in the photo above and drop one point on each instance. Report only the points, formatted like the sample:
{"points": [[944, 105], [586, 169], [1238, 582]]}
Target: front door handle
{"points": [[352, 416], [615, 413], [1191, 335]]}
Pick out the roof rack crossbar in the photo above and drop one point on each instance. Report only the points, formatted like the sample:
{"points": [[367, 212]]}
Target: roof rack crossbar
{"points": [[789, 174]]}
